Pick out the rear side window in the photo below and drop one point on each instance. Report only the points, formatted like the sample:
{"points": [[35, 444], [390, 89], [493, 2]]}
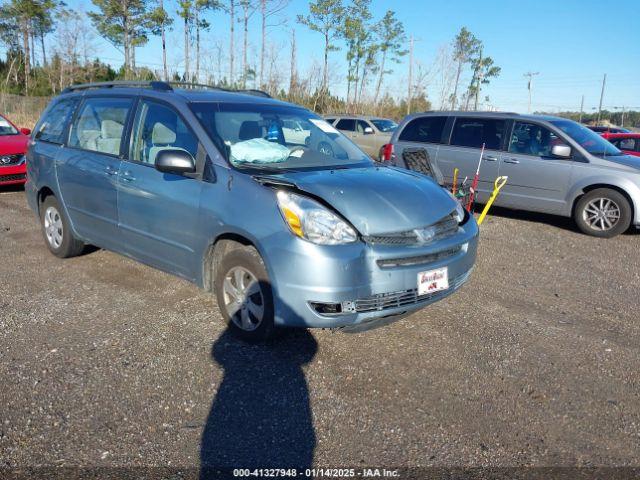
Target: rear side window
{"points": [[473, 132], [348, 124], [52, 126], [99, 126], [158, 128], [624, 143], [330, 120], [424, 130]]}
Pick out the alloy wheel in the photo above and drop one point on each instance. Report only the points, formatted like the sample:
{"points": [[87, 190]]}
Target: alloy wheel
{"points": [[601, 214], [53, 227], [243, 298]]}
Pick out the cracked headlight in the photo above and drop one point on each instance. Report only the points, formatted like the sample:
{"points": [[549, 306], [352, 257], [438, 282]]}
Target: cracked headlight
{"points": [[312, 221], [461, 213]]}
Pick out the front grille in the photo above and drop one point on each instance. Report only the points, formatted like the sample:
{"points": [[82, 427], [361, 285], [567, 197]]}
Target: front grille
{"points": [[12, 178], [445, 228], [6, 160], [420, 259], [385, 301]]}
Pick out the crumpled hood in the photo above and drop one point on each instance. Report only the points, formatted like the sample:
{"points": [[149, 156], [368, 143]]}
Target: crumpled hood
{"points": [[377, 200]]}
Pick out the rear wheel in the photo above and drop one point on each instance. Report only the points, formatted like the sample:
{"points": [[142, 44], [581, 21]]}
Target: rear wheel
{"points": [[244, 294], [56, 230], [603, 213]]}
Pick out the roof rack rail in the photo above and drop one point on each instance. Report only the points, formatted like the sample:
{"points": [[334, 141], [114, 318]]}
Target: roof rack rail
{"points": [[159, 85], [249, 91], [156, 85]]}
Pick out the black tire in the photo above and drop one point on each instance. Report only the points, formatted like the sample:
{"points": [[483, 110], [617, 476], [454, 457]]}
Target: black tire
{"points": [[249, 259], [614, 201], [69, 245]]}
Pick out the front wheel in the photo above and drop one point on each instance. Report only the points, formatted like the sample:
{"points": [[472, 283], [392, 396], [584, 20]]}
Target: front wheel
{"points": [[603, 213], [57, 231], [244, 294]]}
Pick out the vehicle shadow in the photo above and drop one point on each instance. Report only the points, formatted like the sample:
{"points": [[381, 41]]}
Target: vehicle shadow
{"points": [[534, 217], [11, 188], [261, 414]]}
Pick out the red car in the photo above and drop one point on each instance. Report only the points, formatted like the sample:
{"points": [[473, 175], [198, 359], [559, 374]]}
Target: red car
{"points": [[629, 143], [13, 146]]}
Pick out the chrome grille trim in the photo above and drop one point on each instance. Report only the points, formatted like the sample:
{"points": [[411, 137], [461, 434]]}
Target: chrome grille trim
{"points": [[11, 160], [385, 301], [420, 259], [445, 228]]}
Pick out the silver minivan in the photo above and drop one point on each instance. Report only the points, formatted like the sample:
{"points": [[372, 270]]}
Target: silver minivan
{"points": [[554, 165]]}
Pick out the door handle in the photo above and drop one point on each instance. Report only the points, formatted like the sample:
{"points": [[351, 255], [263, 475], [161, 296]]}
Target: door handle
{"points": [[490, 158], [110, 171], [128, 177], [511, 160]]}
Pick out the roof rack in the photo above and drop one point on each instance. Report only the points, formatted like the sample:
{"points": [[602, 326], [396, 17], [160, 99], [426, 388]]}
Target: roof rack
{"points": [[156, 85], [161, 86], [248, 91]]}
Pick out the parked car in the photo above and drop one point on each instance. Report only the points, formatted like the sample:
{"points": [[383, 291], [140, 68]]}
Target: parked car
{"points": [[369, 133], [207, 184], [13, 145], [554, 165], [607, 129], [628, 143]]}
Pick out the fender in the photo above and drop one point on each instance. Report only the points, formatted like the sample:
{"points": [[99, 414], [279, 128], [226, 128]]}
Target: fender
{"points": [[624, 184]]}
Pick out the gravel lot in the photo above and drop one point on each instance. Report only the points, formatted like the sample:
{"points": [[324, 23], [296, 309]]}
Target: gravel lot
{"points": [[106, 362]]}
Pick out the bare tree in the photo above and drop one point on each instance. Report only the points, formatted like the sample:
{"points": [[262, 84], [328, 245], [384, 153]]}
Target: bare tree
{"points": [[268, 9], [248, 9], [293, 75]]}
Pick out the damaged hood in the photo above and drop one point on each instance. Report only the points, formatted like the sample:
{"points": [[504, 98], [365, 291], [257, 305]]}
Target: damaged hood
{"points": [[376, 200]]}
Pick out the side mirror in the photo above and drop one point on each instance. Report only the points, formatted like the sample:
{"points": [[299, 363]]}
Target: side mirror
{"points": [[561, 151], [368, 130], [25, 131], [175, 161]]}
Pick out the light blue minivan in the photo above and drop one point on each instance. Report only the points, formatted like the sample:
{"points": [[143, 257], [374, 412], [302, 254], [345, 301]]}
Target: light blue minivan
{"points": [[260, 201]]}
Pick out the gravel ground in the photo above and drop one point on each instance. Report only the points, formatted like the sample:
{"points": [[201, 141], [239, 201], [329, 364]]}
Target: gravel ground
{"points": [[106, 362]]}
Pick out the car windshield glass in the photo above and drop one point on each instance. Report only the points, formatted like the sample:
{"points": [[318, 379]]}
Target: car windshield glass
{"points": [[588, 139], [6, 128], [384, 125], [277, 137]]}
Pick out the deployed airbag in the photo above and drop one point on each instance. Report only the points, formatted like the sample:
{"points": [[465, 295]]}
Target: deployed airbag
{"points": [[258, 150]]}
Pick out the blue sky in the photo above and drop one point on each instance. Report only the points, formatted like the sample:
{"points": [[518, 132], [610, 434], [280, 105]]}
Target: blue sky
{"points": [[571, 43]]}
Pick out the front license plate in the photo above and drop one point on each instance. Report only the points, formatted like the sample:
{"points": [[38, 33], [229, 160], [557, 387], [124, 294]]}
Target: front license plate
{"points": [[433, 281]]}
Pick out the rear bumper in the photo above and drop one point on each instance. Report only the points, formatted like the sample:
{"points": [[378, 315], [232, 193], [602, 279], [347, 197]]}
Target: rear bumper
{"points": [[304, 274], [13, 175]]}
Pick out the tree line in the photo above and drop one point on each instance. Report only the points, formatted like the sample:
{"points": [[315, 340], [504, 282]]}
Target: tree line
{"points": [[371, 50]]}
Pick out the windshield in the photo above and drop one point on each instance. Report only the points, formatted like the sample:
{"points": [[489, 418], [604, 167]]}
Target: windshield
{"points": [[6, 128], [588, 139], [384, 125], [275, 137]]}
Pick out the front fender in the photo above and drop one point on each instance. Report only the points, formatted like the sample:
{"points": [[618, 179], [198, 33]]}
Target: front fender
{"points": [[627, 185]]}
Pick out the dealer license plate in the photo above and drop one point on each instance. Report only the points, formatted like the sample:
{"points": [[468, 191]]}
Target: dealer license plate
{"points": [[433, 281]]}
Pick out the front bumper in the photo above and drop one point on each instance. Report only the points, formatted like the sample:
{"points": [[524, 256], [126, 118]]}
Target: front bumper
{"points": [[13, 175], [366, 277]]}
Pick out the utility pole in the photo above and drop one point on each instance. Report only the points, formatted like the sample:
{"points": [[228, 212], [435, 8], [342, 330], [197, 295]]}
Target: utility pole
{"points": [[409, 92], [622, 119], [581, 109], [529, 86], [604, 82]]}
